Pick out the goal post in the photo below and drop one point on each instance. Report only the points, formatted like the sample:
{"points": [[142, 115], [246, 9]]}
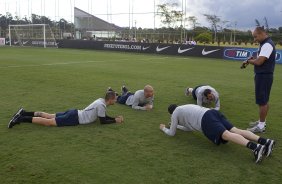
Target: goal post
{"points": [[36, 35]]}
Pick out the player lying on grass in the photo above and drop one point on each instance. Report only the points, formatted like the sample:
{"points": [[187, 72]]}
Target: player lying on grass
{"points": [[140, 100], [216, 128], [204, 95], [72, 117]]}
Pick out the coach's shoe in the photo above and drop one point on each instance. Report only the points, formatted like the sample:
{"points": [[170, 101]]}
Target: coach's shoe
{"points": [[252, 124], [258, 153], [124, 90], [15, 118], [255, 123], [269, 147], [188, 91], [256, 129]]}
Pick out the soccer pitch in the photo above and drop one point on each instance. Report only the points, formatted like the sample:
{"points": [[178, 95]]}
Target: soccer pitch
{"points": [[54, 80]]}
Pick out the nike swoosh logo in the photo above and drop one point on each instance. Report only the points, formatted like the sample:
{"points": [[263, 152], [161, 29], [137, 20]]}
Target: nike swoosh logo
{"points": [[161, 49], [145, 48], [183, 50], [16, 43], [208, 52], [25, 42]]}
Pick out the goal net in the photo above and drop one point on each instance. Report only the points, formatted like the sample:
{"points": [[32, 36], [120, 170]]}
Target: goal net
{"points": [[36, 35]]}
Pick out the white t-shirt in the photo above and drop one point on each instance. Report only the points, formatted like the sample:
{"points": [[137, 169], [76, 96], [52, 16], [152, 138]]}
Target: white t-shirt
{"points": [[139, 99], [201, 99], [266, 50], [187, 116], [92, 112]]}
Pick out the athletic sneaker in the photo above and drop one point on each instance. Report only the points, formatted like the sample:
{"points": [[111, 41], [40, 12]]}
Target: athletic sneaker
{"points": [[110, 89], [256, 129], [258, 153], [124, 90], [252, 124], [15, 118], [188, 91], [269, 147]]}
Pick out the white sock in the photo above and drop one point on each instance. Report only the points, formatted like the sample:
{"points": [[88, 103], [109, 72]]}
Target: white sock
{"points": [[190, 90], [261, 125]]}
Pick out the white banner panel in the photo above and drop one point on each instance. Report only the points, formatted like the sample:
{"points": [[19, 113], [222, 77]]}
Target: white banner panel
{"points": [[2, 41]]}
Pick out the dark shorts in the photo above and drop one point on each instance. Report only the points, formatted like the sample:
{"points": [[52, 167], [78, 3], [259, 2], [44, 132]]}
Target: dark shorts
{"points": [[214, 124], [68, 118], [122, 99], [194, 92], [263, 83]]}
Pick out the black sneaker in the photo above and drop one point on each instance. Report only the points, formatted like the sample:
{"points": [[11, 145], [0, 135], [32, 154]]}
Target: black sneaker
{"points": [[258, 153], [269, 147], [110, 89], [124, 90], [15, 118]]}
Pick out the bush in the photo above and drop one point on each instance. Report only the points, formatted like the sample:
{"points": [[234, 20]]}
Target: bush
{"points": [[204, 38]]}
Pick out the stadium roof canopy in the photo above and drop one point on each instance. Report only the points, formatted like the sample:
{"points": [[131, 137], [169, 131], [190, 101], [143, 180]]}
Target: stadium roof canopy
{"points": [[86, 21]]}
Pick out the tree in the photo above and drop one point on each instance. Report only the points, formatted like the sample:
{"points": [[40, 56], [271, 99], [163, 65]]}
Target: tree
{"points": [[168, 14], [213, 20], [280, 29], [204, 37], [266, 24], [194, 23], [257, 23]]}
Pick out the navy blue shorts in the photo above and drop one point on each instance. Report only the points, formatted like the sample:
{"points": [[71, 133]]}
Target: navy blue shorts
{"points": [[122, 99], [263, 83], [194, 92], [68, 118], [214, 124]]}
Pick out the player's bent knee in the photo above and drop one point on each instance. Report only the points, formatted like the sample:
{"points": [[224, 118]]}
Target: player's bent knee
{"points": [[234, 130], [225, 135]]}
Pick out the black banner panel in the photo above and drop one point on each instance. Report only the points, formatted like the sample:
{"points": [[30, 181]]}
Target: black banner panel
{"points": [[153, 48]]}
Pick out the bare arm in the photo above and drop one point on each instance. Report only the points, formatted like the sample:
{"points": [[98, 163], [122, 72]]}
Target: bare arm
{"points": [[258, 61]]}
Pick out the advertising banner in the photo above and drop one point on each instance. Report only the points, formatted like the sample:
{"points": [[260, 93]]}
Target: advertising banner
{"points": [[230, 53], [154, 48], [2, 41], [242, 54]]}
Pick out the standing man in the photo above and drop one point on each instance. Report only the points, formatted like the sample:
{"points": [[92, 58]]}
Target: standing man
{"points": [[263, 67], [216, 128], [204, 95], [140, 100], [72, 117]]}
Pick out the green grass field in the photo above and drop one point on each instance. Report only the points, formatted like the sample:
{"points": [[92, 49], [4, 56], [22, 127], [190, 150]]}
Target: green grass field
{"points": [[55, 80]]}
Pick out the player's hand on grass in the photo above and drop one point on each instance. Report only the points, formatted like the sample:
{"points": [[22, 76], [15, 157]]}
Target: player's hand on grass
{"points": [[162, 126], [148, 107], [119, 119]]}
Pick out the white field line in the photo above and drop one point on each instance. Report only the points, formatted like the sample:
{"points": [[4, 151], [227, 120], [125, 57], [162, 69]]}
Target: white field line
{"points": [[81, 62]]}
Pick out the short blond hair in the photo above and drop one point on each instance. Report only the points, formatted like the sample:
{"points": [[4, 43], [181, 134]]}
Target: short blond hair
{"points": [[148, 88]]}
